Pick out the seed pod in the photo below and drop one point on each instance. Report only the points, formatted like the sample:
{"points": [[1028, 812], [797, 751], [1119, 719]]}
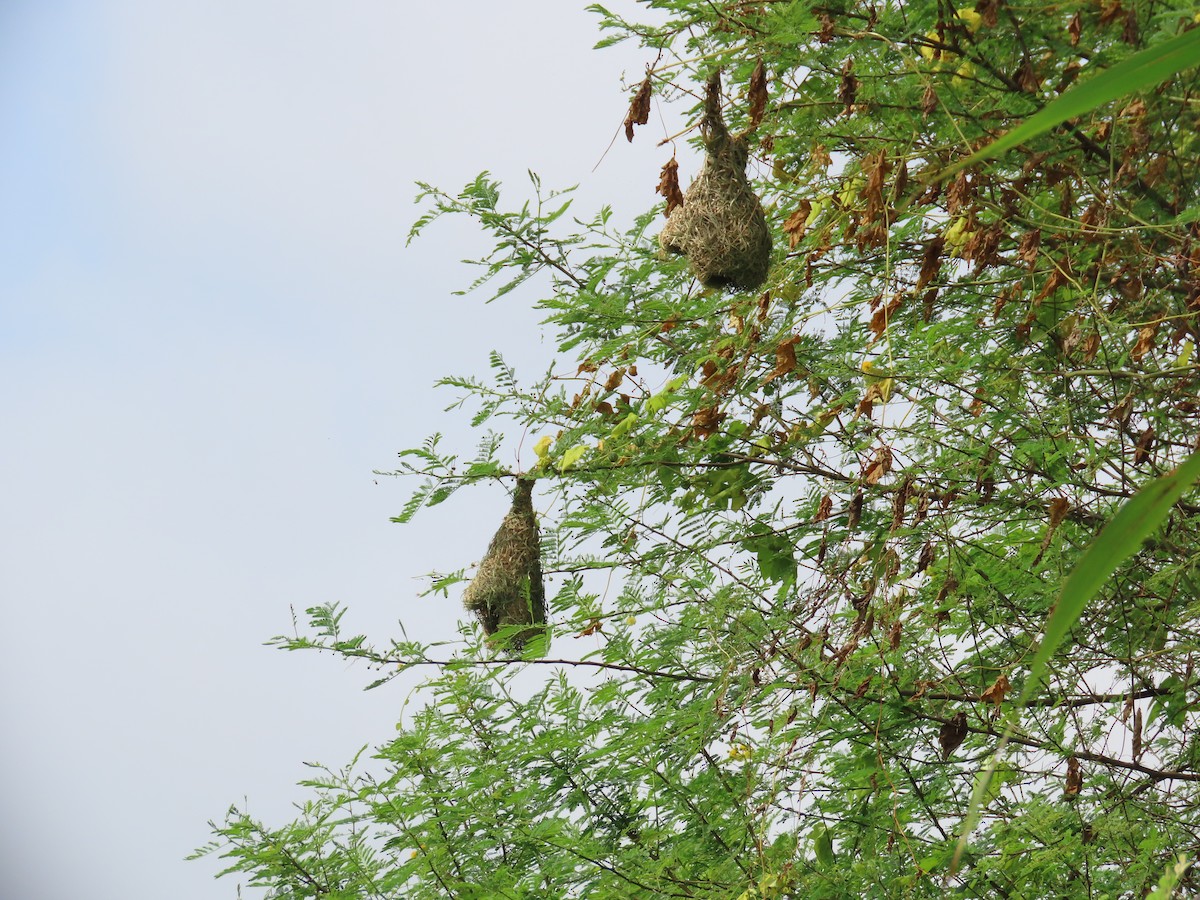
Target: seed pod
{"points": [[508, 590]]}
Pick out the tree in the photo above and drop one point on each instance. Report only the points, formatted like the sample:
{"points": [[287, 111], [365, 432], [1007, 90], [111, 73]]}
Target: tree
{"points": [[839, 509]]}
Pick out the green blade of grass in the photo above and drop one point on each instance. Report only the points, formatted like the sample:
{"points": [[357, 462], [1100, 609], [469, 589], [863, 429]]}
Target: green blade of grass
{"points": [[1143, 69], [1137, 519]]}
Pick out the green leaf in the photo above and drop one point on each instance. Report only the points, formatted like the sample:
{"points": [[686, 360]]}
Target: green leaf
{"points": [[823, 844], [1143, 69]]}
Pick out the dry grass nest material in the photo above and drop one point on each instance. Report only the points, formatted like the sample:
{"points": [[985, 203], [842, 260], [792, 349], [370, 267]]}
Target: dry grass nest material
{"points": [[721, 227], [507, 592]]}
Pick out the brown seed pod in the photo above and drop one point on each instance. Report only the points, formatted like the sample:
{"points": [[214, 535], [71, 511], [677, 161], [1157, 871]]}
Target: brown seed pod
{"points": [[507, 590], [721, 227]]}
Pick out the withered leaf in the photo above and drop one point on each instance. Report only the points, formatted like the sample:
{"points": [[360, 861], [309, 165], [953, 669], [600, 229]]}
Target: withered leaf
{"points": [[952, 734], [1027, 249], [982, 247], [877, 167], [757, 95], [668, 186], [854, 510], [795, 225], [824, 508], [883, 315], [1058, 509], [785, 358], [592, 628], [931, 261], [929, 100], [926, 558], [1110, 11], [639, 108], [864, 687], [848, 88], [1028, 79], [706, 421], [879, 466], [894, 634], [996, 693], [1074, 777], [1074, 29], [959, 193], [900, 502], [825, 32], [1130, 33], [1144, 342], [1145, 443], [987, 10], [614, 380]]}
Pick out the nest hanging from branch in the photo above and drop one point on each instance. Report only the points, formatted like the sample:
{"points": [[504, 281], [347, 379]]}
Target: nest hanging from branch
{"points": [[507, 591], [720, 227]]}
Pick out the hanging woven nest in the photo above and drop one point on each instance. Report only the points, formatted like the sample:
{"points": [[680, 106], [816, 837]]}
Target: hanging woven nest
{"points": [[720, 227], [507, 591]]}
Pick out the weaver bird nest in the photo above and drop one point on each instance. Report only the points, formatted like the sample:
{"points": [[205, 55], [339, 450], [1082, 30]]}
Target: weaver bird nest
{"points": [[720, 227], [507, 591]]}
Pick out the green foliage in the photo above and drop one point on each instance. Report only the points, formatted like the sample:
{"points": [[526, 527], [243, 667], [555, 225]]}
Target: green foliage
{"points": [[808, 540]]}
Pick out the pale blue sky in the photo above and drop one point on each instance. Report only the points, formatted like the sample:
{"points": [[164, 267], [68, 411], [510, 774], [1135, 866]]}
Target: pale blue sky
{"points": [[210, 335]]}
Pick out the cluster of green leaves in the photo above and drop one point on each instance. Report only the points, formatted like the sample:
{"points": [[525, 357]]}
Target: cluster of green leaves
{"points": [[840, 511]]}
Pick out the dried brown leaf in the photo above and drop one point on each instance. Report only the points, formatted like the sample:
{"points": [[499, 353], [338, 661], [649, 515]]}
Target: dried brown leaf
{"points": [[848, 87], [959, 194], [996, 693], [795, 225], [1075, 29], [1058, 509], [824, 509], [883, 315], [785, 358], [879, 466], [1027, 249], [592, 628], [952, 734], [668, 186], [929, 100], [854, 510], [1111, 11], [825, 33], [639, 107], [1145, 443], [757, 95], [1074, 777], [925, 560], [706, 421], [1144, 342], [931, 261], [1130, 32], [1028, 79], [987, 10], [877, 167]]}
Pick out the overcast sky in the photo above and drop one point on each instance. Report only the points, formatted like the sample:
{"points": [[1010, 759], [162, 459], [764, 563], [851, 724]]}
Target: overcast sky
{"points": [[210, 335]]}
